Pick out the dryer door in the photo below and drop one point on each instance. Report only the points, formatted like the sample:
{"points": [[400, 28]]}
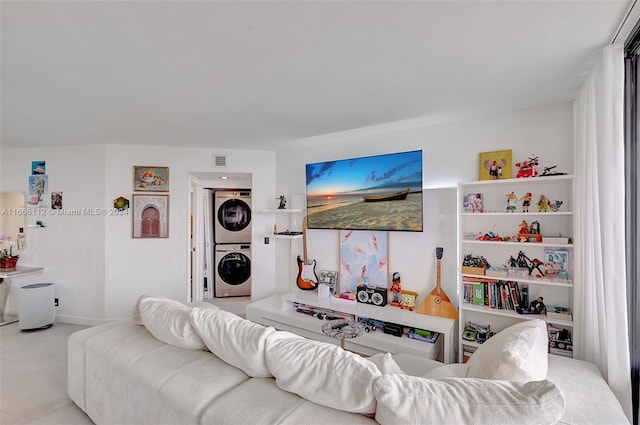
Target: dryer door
{"points": [[234, 268], [234, 215]]}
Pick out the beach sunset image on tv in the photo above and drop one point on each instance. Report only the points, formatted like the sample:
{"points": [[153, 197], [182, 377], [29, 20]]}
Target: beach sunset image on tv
{"points": [[382, 192]]}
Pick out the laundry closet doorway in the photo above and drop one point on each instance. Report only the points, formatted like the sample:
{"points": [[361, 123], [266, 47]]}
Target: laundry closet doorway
{"points": [[234, 258]]}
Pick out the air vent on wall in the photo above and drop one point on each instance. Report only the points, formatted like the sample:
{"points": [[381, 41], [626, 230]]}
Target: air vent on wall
{"points": [[219, 161]]}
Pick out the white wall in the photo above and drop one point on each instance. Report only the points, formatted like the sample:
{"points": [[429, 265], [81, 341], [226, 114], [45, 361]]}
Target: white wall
{"points": [[98, 269], [450, 155]]}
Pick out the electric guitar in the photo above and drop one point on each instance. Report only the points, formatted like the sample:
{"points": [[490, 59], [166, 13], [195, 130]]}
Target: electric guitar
{"points": [[307, 278]]}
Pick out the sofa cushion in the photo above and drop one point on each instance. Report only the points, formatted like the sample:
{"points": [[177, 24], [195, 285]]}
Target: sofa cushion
{"points": [[385, 363], [322, 373], [168, 321], [518, 353], [405, 399], [136, 308], [453, 370], [237, 341]]}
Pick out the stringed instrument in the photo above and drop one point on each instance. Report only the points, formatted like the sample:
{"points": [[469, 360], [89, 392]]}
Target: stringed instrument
{"points": [[307, 278], [437, 302]]}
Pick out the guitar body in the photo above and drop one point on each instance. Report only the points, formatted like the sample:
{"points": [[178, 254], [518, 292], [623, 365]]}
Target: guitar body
{"points": [[307, 278], [437, 302]]}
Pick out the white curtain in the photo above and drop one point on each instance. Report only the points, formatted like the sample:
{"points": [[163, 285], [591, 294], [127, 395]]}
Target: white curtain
{"points": [[601, 327]]}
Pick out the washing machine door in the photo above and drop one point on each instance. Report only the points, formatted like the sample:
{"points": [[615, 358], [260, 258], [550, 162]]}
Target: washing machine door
{"points": [[234, 268], [234, 215]]}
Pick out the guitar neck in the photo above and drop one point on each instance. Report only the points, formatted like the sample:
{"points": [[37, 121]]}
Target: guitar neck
{"points": [[438, 274], [304, 241]]}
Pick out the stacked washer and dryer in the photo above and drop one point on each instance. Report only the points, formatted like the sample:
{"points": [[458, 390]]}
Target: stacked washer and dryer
{"points": [[232, 237]]}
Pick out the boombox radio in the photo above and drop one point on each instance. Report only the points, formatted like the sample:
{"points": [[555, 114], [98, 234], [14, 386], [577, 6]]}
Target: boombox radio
{"points": [[372, 295]]}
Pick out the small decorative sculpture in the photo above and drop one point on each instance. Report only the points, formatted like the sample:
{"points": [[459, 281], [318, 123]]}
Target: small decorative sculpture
{"points": [[537, 306], [526, 201], [543, 203], [511, 202], [283, 202], [555, 205], [396, 289]]}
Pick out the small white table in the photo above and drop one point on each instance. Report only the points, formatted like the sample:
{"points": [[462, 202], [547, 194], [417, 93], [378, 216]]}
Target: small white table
{"points": [[9, 274]]}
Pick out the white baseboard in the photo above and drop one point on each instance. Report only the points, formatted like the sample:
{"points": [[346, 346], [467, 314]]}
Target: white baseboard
{"points": [[78, 320]]}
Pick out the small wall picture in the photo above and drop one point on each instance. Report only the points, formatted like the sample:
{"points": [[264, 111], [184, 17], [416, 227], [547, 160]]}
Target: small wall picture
{"points": [[56, 200], [495, 165], [150, 216], [150, 178], [38, 168], [38, 190], [473, 203]]}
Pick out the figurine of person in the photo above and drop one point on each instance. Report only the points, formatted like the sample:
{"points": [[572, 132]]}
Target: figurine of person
{"points": [[511, 202], [537, 306], [524, 227], [543, 203], [526, 201], [396, 289], [283, 202], [534, 228]]}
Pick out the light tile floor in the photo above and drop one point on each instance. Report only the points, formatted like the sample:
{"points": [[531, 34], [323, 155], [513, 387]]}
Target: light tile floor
{"points": [[33, 377]]}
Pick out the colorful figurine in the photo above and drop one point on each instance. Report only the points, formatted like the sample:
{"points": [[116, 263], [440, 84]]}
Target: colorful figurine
{"points": [[408, 300], [543, 203], [526, 201], [527, 168], [511, 202], [555, 205], [396, 289], [524, 227]]}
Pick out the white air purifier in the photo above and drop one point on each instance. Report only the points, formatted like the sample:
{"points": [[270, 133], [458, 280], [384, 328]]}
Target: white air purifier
{"points": [[37, 310]]}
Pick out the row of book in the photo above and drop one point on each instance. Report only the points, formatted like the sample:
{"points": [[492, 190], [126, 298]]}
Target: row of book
{"points": [[494, 293]]}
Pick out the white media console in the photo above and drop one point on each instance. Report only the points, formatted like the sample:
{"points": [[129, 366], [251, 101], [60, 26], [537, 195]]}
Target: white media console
{"points": [[279, 311]]}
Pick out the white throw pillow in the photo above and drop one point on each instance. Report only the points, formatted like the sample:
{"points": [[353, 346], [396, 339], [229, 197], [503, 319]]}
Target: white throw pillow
{"points": [[168, 321], [385, 363], [236, 341], [322, 373], [518, 353], [405, 399]]}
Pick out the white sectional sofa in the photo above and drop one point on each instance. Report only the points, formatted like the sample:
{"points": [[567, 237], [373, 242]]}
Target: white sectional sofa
{"points": [[180, 364]]}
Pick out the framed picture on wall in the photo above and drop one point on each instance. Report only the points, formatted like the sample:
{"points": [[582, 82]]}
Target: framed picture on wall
{"points": [[150, 216], [150, 178], [495, 165], [363, 259]]}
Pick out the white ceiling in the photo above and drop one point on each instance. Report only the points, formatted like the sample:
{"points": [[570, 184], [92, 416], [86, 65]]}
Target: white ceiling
{"points": [[249, 74]]}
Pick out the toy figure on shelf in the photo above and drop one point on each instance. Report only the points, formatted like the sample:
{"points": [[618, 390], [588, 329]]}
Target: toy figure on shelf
{"points": [[543, 203], [527, 168], [396, 289], [534, 228], [555, 205], [524, 227], [526, 201], [547, 172], [511, 202], [537, 306], [283, 202], [535, 264], [408, 300]]}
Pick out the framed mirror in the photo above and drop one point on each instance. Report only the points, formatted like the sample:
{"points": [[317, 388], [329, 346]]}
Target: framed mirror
{"points": [[13, 216]]}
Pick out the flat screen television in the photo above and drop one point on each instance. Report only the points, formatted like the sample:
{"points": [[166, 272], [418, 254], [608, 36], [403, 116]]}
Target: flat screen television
{"points": [[381, 192]]}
